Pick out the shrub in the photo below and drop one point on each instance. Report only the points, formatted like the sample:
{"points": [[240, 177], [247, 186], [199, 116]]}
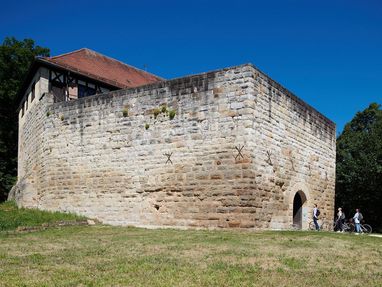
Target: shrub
{"points": [[171, 114]]}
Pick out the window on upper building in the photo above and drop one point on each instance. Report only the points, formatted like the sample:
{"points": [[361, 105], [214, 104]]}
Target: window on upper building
{"points": [[103, 90], [57, 86], [85, 89]]}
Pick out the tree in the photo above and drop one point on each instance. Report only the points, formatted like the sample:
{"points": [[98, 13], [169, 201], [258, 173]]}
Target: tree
{"points": [[359, 165], [15, 60]]}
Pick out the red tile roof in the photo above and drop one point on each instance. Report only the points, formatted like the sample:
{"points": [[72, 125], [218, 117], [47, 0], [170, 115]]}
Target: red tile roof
{"points": [[95, 65]]}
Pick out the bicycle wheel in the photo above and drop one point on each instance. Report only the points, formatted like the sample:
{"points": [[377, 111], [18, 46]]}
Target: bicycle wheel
{"points": [[366, 228], [352, 227], [312, 226]]}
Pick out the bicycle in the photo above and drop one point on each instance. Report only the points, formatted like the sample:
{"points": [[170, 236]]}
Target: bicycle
{"points": [[365, 228], [322, 223], [350, 227], [345, 226]]}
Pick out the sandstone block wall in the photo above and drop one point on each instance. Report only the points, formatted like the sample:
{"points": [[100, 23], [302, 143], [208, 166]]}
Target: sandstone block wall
{"points": [[234, 155]]}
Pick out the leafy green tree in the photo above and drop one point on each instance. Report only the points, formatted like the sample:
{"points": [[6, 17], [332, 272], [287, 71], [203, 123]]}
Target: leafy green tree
{"points": [[359, 165], [15, 60]]}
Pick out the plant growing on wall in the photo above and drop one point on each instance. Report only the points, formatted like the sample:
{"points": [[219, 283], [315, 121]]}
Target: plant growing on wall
{"points": [[164, 110], [161, 110], [156, 113], [125, 112], [171, 114]]}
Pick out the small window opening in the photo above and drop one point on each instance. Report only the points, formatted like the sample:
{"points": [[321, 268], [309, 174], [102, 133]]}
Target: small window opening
{"points": [[85, 90]]}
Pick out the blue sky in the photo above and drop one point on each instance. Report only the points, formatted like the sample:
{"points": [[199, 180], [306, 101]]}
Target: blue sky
{"points": [[329, 53]]}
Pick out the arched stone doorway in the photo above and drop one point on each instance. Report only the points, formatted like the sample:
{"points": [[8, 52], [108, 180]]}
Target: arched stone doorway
{"points": [[298, 202]]}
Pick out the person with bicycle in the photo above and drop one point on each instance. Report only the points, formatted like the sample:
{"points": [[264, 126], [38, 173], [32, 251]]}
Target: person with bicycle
{"points": [[340, 220], [316, 213], [357, 220]]}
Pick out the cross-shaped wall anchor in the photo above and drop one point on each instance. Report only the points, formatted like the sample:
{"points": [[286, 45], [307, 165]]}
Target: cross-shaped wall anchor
{"points": [[292, 163], [239, 149], [168, 157], [269, 160]]}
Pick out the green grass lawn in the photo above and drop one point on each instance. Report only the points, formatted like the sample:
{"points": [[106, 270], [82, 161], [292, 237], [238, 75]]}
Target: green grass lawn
{"points": [[12, 217], [121, 256]]}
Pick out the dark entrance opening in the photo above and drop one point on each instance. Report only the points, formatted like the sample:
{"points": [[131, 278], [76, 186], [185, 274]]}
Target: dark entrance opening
{"points": [[297, 210]]}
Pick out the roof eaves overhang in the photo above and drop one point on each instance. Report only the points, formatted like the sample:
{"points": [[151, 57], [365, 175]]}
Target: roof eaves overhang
{"points": [[82, 73], [41, 62]]}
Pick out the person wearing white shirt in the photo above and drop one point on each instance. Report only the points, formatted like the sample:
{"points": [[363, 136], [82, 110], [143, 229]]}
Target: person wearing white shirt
{"points": [[340, 219], [357, 220]]}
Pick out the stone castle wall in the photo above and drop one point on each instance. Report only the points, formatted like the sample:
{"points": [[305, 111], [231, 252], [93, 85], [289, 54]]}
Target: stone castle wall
{"points": [[295, 152], [236, 152]]}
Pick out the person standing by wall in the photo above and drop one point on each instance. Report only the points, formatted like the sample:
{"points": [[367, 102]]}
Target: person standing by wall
{"points": [[316, 213]]}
